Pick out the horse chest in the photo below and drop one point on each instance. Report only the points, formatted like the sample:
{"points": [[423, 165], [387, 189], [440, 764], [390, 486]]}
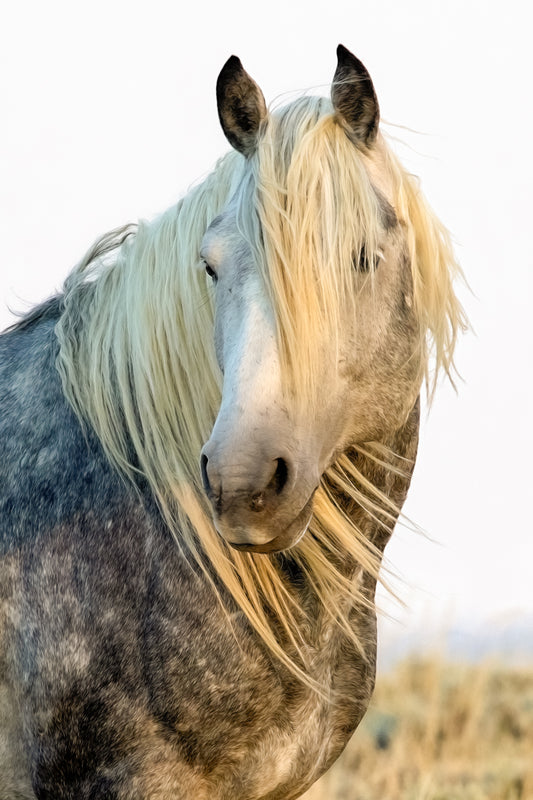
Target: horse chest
{"points": [[246, 725], [254, 737]]}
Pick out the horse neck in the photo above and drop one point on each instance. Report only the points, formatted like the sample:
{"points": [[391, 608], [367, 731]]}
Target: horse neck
{"points": [[390, 473]]}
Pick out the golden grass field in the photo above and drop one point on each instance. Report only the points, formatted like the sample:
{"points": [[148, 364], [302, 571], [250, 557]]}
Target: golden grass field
{"points": [[440, 731]]}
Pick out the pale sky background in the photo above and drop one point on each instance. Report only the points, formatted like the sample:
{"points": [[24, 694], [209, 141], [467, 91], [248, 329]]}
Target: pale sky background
{"points": [[108, 114]]}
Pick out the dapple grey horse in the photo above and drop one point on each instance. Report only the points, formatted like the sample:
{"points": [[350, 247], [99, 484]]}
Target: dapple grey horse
{"points": [[205, 442]]}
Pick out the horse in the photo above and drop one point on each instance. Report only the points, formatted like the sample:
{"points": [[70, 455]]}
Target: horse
{"points": [[206, 441]]}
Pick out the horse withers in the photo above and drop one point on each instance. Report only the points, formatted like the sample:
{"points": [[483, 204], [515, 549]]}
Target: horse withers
{"points": [[205, 443]]}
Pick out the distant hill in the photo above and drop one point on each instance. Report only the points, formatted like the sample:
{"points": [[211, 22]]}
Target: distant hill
{"points": [[509, 639]]}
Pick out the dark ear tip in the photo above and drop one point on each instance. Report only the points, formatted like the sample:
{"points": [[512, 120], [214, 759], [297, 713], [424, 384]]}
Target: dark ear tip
{"points": [[229, 72], [342, 52], [231, 67], [233, 61], [346, 58]]}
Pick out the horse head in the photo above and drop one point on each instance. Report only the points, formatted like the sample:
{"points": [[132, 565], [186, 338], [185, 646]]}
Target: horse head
{"points": [[316, 328]]}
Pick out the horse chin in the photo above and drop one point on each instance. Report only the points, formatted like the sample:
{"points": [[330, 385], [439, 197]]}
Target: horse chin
{"points": [[283, 541]]}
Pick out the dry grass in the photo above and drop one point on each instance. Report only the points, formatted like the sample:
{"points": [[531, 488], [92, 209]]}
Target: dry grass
{"points": [[440, 731]]}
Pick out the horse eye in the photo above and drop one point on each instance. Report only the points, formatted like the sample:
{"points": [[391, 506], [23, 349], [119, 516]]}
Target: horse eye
{"points": [[211, 272], [362, 263]]}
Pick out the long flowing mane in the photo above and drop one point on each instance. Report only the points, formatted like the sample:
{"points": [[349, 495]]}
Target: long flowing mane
{"points": [[137, 358]]}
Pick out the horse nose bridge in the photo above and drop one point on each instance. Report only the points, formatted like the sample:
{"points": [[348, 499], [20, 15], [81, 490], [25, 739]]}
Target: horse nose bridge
{"points": [[251, 443]]}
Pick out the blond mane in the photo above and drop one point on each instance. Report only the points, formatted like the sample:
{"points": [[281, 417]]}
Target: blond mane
{"points": [[137, 357]]}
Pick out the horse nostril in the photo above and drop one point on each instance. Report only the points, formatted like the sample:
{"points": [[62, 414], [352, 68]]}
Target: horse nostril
{"points": [[205, 478], [259, 500], [279, 479]]}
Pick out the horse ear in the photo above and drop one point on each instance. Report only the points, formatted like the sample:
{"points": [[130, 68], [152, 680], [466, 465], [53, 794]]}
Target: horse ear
{"points": [[241, 106], [354, 98]]}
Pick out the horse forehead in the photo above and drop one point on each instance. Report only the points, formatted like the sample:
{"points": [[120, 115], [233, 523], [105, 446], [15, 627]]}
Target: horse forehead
{"points": [[222, 241], [379, 173], [215, 224], [388, 217], [221, 229]]}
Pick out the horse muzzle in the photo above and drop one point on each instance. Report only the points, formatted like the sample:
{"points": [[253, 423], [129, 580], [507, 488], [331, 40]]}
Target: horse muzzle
{"points": [[259, 505]]}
